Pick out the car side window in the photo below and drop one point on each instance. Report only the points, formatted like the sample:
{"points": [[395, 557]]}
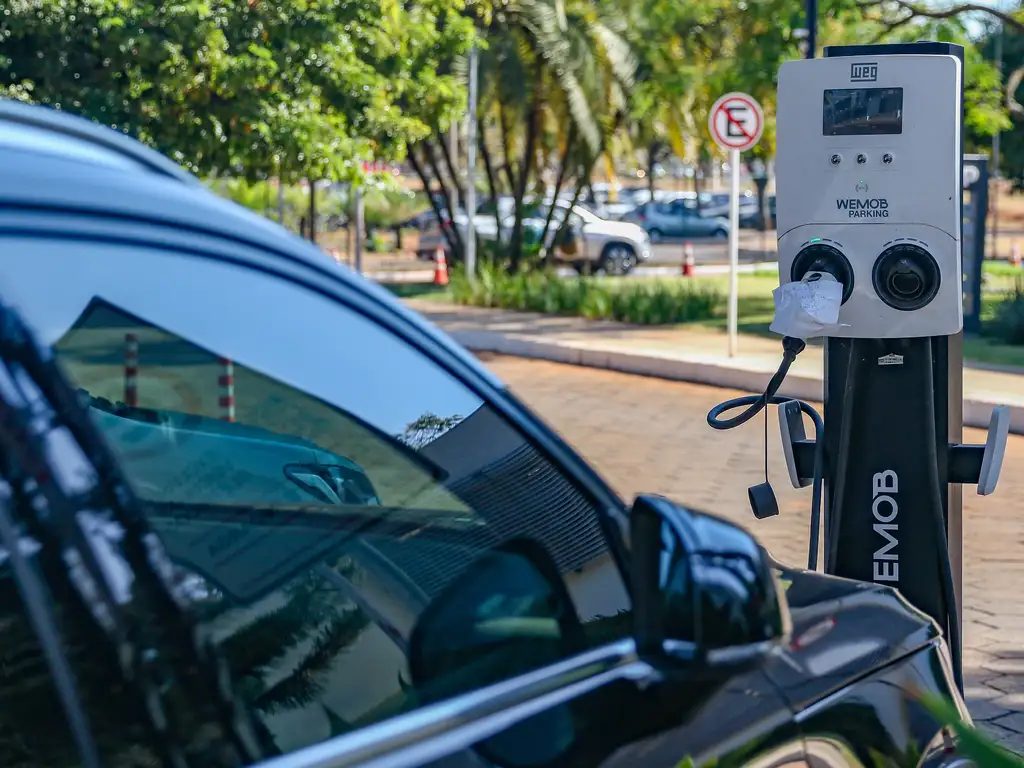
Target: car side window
{"points": [[337, 500]]}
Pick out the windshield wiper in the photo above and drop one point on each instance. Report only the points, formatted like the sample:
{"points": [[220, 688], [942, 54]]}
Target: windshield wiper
{"points": [[67, 492]]}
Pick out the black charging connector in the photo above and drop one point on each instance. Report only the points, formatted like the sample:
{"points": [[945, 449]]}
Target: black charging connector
{"points": [[791, 347]]}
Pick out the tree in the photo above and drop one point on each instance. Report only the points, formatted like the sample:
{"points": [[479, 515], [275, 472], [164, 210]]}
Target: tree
{"points": [[1012, 142], [299, 88], [554, 75]]}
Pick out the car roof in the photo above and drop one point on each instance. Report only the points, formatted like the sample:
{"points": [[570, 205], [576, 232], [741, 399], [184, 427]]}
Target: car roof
{"points": [[56, 161], [72, 163]]}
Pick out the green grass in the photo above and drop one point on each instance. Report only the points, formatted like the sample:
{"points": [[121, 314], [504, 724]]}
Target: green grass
{"points": [[989, 351], [755, 306], [1001, 268], [645, 302]]}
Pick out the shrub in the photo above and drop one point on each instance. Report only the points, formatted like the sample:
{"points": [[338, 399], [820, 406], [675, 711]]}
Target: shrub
{"points": [[1008, 319], [647, 302]]}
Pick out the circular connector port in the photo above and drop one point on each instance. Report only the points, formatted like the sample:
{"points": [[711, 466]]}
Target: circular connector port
{"points": [[820, 257], [906, 277]]}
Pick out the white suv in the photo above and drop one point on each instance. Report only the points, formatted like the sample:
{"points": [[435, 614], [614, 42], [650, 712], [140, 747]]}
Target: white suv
{"points": [[590, 242]]}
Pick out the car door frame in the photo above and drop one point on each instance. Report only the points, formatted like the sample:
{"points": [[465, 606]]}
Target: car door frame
{"points": [[439, 730]]}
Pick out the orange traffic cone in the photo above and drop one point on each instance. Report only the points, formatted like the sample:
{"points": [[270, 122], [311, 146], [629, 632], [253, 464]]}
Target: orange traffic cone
{"points": [[689, 262], [1015, 254], [440, 267]]}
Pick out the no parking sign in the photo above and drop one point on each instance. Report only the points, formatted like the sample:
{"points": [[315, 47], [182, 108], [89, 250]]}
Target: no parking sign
{"points": [[736, 121]]}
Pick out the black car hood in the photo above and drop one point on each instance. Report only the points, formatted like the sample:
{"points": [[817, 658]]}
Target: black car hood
{"points": [[842, 630]]}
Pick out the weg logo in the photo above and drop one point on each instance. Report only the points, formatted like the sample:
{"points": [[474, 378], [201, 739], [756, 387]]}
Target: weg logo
{"points": [[864, 72]]}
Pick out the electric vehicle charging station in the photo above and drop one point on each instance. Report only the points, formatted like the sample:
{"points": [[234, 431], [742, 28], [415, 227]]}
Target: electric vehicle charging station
{"points": [[868, 188]]}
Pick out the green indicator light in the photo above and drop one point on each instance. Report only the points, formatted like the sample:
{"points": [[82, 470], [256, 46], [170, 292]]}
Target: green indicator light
{"points": [[815, 239]]}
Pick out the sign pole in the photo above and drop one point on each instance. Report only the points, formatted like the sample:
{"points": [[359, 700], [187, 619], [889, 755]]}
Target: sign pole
{"points": [[735, 123], [734, 246]]}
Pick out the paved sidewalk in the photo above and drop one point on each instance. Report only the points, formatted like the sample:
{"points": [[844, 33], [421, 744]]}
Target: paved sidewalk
{"points": [[683, 354]]}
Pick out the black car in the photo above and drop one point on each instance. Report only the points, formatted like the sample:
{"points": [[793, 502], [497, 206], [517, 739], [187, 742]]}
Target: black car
{"points": [[404, 568]]}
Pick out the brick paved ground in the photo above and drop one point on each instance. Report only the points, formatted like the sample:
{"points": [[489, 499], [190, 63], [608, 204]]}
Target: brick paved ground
{"points": [[649, 435]]}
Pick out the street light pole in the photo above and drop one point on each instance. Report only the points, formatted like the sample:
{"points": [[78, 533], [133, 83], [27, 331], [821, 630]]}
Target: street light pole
{"points": [[812, 28]]}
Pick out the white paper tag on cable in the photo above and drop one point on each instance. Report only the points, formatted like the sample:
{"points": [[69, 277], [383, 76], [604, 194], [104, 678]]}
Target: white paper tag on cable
{"points": [[807, 308]]}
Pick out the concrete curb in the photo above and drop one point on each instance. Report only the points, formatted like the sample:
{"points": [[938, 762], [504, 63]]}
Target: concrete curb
{"points": [[977, 411]]}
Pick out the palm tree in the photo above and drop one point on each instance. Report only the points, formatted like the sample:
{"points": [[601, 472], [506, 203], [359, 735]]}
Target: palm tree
{"points": [[577, 70], [554, 80]]}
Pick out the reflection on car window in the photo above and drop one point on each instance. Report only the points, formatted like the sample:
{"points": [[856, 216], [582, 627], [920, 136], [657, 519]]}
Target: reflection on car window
{"points": [[316, 534], [33, 731]]}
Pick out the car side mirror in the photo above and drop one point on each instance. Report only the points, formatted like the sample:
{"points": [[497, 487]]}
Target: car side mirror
{"points": [[701, 586]]}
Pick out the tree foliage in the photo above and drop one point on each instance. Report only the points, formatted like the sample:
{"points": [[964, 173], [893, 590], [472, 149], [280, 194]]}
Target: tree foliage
{"points": [[257, 88], [1012, 143], [309, 88]]}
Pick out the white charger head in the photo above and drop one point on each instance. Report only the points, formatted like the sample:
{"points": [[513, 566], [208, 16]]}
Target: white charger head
{"points": [[868, 188]]}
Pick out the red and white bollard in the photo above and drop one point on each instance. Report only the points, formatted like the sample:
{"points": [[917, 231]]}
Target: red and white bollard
{"points": [[689, 260], [131, 370], [226, 382], [440, 267]]}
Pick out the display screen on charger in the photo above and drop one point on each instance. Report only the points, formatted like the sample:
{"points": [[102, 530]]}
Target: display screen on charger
{"points": [[862, 111]]}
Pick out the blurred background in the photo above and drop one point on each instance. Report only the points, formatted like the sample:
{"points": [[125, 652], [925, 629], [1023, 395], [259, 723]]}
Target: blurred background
{"points": [[579, 127]]}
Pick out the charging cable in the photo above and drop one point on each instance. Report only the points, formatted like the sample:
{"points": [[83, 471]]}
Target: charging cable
{"points": [[761, 496]]}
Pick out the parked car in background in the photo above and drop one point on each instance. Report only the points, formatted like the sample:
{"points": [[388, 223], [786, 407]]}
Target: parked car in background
{"points": [[676, 218], [425, 218], [446, 584], [751, 218], [588, 242], [614, 204], [716, 204]]}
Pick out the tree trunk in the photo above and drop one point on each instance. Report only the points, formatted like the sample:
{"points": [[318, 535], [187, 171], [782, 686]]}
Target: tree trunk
{"points": [[312, 211], [515, 248], [652, 156], [450, 166], [761, 183], [698, 182], [492, 181], [506, 147], [425, 180], [456, 240], [563, 167], [582, 179]]}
